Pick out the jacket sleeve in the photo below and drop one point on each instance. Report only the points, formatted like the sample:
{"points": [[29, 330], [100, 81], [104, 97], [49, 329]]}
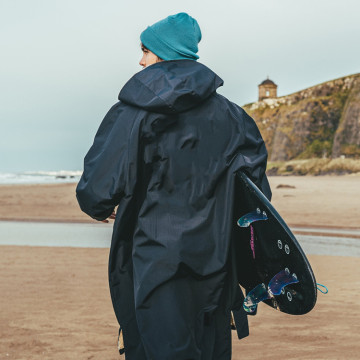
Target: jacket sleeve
{"points": [[252, 156], [103, 181]]}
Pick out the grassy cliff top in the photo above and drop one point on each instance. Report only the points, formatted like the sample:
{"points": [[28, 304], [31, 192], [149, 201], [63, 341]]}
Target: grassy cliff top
{"points": [[339, 166]]}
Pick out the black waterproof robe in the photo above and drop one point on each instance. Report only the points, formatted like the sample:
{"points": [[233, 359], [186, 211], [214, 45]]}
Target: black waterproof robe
{"points": [[167, 154]]}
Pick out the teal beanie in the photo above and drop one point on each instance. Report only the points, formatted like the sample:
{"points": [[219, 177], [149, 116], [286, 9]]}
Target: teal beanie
{"points": [[173, 38]]}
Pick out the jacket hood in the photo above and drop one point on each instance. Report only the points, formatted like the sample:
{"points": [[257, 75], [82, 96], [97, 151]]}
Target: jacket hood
{"points": [[170, 86]]}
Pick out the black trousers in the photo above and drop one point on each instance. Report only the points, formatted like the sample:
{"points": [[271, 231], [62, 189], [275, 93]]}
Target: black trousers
{"points": [[181, 331]]}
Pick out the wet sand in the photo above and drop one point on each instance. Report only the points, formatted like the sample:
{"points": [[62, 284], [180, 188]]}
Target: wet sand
{"points": [[55, 302]]}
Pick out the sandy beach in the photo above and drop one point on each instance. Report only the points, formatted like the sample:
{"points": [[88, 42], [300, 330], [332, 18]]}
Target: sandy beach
{"points": [[320, 201], [55, 302]]}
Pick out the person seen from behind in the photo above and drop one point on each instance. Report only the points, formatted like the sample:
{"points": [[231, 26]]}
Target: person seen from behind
{"points": [[166, 155]]}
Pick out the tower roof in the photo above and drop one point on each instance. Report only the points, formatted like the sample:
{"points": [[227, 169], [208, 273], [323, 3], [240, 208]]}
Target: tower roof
{"points": [[268, 82]]}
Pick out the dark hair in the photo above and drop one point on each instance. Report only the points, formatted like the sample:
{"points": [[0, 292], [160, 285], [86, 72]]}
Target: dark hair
{"points": [[144, 48]]}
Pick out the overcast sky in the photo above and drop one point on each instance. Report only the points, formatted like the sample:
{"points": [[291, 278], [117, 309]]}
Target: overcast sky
{"points": [[63, 62]]}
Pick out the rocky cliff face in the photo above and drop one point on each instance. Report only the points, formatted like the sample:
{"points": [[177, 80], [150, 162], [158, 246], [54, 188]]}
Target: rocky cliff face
{"points": [[321, 121]]}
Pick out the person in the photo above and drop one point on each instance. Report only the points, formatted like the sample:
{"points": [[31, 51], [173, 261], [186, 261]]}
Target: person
{"points": [[166, 155]]}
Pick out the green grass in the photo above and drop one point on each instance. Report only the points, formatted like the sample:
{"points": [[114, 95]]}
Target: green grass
{"points": [[315, 166]]}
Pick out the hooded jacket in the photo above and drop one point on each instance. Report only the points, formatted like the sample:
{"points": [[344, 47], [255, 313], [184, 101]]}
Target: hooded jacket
{"points": [[166, 154]]}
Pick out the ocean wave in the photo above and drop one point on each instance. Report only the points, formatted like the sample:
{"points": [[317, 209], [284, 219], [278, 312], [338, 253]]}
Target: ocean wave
{"points": [[40, 177]]}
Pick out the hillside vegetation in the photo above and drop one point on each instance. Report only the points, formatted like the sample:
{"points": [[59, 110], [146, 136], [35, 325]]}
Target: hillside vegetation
{"points": [[339, 166], [320, 122]]}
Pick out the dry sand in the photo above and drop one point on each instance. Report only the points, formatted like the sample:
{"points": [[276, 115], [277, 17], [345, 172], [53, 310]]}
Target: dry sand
{"points": [[315, 201], [320, 201], [55, 302], [50, 202]]}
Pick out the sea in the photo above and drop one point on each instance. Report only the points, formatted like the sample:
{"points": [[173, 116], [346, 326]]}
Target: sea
{"points": [[40, 177]]}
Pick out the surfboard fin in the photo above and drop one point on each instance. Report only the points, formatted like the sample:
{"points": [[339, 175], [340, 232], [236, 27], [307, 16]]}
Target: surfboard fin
{"points": [[280, 280], [275, 287], [252, 216], [256, 295]]}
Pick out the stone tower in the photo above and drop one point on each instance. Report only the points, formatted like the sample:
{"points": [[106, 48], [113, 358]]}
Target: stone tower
{"points": [[267, 90]]}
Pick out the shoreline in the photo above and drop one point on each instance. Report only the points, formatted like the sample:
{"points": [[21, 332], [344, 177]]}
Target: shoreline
{"points": [[94, 235], [93, 221]]}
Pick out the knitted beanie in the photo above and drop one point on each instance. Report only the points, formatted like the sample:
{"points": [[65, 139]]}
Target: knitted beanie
{"points": [[173, 38]]}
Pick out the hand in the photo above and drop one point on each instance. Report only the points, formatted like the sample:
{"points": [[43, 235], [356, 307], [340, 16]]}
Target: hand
{"points": [[112, 217]]}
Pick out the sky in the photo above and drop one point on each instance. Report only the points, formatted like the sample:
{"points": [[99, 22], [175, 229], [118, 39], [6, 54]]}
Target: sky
{"points": [[63, 62]]}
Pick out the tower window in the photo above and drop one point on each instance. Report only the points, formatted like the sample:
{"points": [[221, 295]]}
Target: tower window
{"points": [[267, 92]]}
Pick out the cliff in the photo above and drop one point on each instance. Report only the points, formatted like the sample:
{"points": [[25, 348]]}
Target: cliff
{"points": [[321, 121]]}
